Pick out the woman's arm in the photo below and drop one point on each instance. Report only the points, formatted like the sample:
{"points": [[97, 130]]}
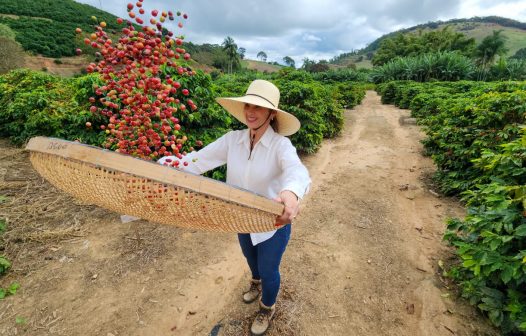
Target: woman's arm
{"points": [[199, 162], [295, 182]]}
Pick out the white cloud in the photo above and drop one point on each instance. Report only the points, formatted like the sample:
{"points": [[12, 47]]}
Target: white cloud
{"points": [[310, 38], [506, 8], [312, 28]]}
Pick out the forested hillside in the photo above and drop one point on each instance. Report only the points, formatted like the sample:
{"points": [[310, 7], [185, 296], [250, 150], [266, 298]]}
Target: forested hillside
{"points": [[477, 28], [47, 27]]}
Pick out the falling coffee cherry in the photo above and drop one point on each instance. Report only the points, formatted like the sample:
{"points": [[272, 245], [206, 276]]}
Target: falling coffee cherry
{"points": [[137, 96]]}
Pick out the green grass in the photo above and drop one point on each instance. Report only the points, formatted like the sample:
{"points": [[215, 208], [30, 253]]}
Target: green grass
{"points": [[516, 37], [365, 64], [5, 31]]}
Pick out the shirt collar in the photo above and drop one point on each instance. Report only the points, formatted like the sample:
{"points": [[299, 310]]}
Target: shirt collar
{"points": [[265, 140]]}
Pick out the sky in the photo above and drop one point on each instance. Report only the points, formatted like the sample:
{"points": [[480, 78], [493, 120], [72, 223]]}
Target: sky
{"points": [[314, 29]]}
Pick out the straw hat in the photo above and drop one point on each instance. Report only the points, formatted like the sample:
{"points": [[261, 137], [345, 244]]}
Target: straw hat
{"points": [[265, 94]]}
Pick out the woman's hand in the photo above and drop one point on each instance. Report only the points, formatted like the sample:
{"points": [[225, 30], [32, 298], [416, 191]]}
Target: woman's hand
{"points": [[292, 207]]}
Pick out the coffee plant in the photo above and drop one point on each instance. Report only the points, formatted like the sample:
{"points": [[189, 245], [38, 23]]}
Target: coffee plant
{"points": [[476, 137], [491, 240], [34, 103]]}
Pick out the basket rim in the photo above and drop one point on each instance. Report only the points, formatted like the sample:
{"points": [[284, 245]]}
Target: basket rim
{"points": [[100, 157]]}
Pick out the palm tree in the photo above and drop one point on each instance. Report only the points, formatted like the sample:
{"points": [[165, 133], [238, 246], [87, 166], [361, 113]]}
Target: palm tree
{"points": [[230, 47], [262, 55], [490, 47], [241, 51], [289, 61]]}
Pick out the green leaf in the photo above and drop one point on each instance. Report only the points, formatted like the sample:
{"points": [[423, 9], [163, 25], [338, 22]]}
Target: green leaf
{"points": [[3, 199], [506, 274], [495, 266], [494, 244], [468, 263], [496, 317], [2, 225], [13, 288], [521, 230], [506, 239], [20, 320], [4, 265]]}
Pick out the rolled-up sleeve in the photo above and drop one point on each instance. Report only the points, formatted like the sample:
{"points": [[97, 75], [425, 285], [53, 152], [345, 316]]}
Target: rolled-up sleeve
{"points": [[199, 162], [295, 177]]}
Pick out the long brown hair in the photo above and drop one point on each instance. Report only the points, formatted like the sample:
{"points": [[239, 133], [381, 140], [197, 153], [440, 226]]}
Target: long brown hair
{"points": [[274, 122]]}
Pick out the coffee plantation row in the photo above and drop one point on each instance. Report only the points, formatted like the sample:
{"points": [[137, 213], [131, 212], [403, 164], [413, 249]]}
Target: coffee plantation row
{"points": [[476, 137], [34, 103]]}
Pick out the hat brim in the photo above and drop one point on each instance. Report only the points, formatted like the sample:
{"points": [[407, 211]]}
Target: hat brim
{"points": [[287, 123]]}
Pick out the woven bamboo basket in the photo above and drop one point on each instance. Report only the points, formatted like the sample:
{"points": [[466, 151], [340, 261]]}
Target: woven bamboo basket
{"points": [[148, 190]]}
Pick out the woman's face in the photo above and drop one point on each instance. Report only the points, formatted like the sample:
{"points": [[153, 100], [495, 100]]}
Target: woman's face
{"points": [[257, 115]]}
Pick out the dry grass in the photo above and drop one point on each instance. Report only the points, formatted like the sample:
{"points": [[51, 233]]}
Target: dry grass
{"points": [[289, 308], [37, 215]]}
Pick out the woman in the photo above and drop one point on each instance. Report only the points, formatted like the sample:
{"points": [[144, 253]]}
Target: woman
{"points": [[260, 159]]}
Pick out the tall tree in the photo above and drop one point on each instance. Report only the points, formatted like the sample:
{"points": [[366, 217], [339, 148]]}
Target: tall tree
{"points": [[308, 64], [520, 54], [241, 51], [230, 47], [262, 56], [289, 61], [11, 55], [414, 44], [321, 66], [491, 46], [313, 66]]}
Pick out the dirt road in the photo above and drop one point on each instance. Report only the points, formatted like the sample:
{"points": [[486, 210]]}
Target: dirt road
{"points": [[363, 259]]}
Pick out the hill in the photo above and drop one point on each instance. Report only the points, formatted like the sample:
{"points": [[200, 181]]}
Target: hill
{"points": [[47, 27], [46, 31], [477, 27], [260, 66]]}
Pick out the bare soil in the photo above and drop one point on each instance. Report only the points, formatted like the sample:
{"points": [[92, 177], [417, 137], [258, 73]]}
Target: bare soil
{"points": [[67, 66], [363, 258], [71, 66]]}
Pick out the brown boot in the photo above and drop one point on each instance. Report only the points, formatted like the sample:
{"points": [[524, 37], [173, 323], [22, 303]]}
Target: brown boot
{"points": [[253, 292], [262, 320]]}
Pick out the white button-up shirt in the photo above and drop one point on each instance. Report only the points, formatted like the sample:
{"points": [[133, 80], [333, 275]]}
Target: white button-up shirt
{"points": [[273, 166]]}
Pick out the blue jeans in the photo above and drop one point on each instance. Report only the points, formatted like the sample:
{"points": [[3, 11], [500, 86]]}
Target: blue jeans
{"points": [[264, 259]]}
